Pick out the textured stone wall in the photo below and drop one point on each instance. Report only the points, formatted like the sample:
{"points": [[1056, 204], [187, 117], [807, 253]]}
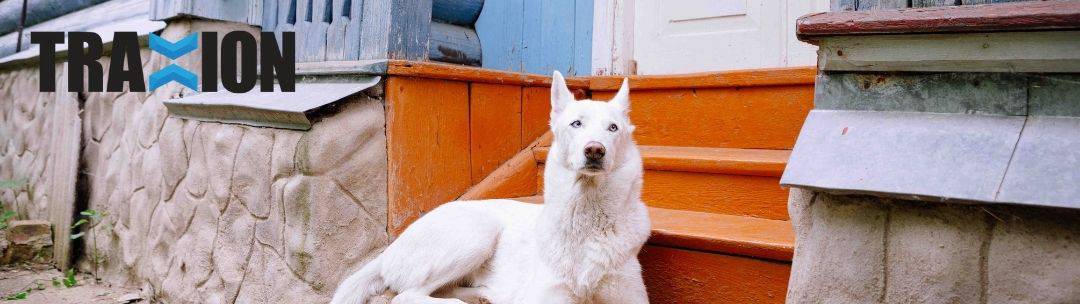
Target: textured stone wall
{"points": [[863, 249], [203, 212], [24, 142]]}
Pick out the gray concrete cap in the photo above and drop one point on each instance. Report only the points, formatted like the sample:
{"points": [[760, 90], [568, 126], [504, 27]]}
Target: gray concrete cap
{"points": [[287, 110]]}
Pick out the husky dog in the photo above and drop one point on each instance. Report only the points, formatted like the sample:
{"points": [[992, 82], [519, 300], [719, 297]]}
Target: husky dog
{"points": [[580, 246]]}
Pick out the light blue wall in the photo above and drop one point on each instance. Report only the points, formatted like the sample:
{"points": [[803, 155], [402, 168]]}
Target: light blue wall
{"points": [[537, 36]]}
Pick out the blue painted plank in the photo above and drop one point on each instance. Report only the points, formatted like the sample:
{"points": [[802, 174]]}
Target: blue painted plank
{"points": [[458, 12], [500, 29], [558, 36], [532, 38], [583, 33], [554, 35]]}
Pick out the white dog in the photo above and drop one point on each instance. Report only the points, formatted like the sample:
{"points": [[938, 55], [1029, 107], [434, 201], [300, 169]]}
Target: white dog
{"points": [[580, 246]]}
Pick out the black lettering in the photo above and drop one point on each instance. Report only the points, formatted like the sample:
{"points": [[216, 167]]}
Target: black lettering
{"points": [[126, 64], [278, 63], [47, 42], [84, 51], [243, 43], [209, 62]]}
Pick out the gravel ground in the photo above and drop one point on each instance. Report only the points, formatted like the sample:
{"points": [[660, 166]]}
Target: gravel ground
{"points": [[39, 278]]}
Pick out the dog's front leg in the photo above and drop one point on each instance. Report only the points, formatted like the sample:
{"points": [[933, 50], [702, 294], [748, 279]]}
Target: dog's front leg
{"points": [[622, 286]]}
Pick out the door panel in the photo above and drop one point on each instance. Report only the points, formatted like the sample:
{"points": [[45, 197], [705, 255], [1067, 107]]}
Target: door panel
{"points": [[689, 36]]}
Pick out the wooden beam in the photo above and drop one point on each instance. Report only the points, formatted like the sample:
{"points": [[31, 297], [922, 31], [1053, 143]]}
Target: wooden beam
{"points": [[1036, 52], [454, 44], [739, 78], [1019, 16], [472, 74]]}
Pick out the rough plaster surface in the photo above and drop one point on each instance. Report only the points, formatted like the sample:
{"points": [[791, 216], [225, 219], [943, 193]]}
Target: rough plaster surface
{"points": [[863, 249], [203, 212], [24, 148]]}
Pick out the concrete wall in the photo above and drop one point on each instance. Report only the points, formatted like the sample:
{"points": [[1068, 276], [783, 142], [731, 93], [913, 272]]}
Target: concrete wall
{"points": [[202, 212], [865, 249]]}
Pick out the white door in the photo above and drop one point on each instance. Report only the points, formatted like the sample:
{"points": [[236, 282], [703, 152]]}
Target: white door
{"points": [[686, 36]]}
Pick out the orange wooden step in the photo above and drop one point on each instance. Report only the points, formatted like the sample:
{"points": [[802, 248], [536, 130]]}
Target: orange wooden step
{"points": [[714, 180], [759, 117], [717, 233], [679, 276]]}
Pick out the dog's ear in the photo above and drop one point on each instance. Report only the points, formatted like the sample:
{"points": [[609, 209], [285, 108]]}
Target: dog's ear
{"points": [[560, 94], [622, 98]]}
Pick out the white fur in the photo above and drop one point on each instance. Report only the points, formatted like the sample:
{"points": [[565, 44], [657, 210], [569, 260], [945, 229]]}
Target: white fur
{"points": [[580, 246]]}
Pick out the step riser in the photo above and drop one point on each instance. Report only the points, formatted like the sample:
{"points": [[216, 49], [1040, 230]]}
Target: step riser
{"points": [[690, 277], [755, 196], [767, 117]]}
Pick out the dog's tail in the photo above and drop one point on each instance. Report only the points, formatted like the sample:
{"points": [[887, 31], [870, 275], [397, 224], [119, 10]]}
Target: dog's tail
{"points": [[361, 285]]}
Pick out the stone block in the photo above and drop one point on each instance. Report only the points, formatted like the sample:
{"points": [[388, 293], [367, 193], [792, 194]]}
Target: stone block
{"points": [[842, 259], [1034, 257], [27, 241], [934, 253]]}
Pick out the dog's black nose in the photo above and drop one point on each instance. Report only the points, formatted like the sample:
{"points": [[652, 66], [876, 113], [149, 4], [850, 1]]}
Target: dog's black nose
{"points": [[594, 150]]}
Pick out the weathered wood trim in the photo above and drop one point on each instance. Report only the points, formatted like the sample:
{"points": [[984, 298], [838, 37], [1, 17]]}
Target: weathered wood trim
{"points": [[1040, 52], [516, 177], [243, 11], [1019, 16], [410, 29], [360, 67], [454, 44], [740, 78], [472, 74], [457, 12]]}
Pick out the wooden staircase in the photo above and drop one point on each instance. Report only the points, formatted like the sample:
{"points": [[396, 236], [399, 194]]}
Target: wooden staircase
{"points": [[714, 147]]}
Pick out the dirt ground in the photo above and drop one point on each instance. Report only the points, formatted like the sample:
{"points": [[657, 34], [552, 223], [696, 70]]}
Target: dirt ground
{"points": [[39, 279]]}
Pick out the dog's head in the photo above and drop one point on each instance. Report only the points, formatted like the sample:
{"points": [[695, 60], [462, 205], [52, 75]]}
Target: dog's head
{"points": [[591, 137]]}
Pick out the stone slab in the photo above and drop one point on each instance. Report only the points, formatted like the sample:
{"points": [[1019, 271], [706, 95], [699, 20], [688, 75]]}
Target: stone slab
{"points": [[287, 110], [923, 156], [1045, 168], [969, 93], [1054, 95]]}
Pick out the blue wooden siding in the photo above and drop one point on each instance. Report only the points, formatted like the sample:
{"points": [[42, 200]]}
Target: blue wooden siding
{"points": [[537, 36]]}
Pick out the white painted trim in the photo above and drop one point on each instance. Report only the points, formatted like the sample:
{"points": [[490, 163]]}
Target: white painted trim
{"points": [[613, 37]]}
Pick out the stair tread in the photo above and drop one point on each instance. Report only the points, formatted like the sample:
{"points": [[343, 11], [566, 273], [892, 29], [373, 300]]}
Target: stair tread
{"points": [[760, 162], [717, 233]]}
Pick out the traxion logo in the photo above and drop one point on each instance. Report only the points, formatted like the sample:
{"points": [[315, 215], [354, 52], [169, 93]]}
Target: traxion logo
{"points": [[239, 53]]}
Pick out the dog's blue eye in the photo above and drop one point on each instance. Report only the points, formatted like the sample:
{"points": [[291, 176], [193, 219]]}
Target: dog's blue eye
{"points": [[613, 128], [576, 124]]}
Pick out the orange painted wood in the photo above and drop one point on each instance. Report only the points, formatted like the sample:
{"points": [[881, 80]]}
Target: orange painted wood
{"points": [[693, 277], [494, 126], [516, 177], [535, 113], [723, 79], [721, 233], [754, 196], [716, 233], [759, 162], [427, 141], [428, 69], [753, 117], [717, 187]]}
